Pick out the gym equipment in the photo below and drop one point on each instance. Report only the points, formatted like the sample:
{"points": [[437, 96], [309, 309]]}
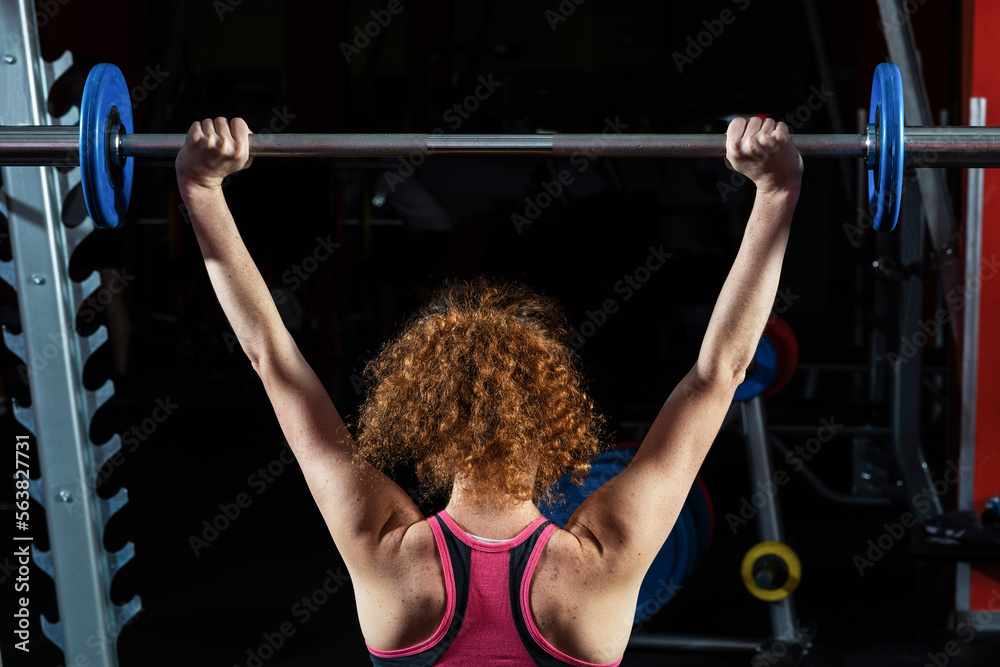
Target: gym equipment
{"points": [[773, 363], [771, 571], [105, 116], [786, 347], [769, 525], [761, 373], [885, 129], [684, 547], [704, 516], [77, 563], [991, 514], [886, 146]]}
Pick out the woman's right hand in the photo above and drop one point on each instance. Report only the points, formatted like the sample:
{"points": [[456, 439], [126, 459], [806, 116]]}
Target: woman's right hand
{"points": [[213, 150]]}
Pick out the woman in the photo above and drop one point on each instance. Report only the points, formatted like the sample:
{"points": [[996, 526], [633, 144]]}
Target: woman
{"points": [[481, 391]]}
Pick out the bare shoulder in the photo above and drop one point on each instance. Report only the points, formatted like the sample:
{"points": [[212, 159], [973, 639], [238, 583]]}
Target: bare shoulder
{"points": [[578, 604], [418, 547], [405, 603], [574, 557]]}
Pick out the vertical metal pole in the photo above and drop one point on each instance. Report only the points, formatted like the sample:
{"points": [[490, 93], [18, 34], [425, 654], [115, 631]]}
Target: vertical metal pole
{"points": [[907, 364], [823, 65], [941, 225], [769, 528], [54, 355], [970, 347], [880, 299]]}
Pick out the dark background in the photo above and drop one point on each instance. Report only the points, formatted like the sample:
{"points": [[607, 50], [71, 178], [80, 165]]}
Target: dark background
{"points": [[270, 61]]}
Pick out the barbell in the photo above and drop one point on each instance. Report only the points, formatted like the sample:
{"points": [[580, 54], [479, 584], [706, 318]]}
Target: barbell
{"points": [[104, 142]]}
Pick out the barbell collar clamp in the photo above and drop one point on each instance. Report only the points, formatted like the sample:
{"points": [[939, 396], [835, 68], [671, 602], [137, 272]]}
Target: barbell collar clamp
{"points": [[871, 145]]}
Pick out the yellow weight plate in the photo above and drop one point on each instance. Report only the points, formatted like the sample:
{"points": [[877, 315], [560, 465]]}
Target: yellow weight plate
{"points": [[784, 553]]}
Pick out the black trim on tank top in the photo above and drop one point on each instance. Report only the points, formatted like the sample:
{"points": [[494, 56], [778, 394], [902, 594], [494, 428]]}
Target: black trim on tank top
{"points": [[460, 555], [519, 557]]}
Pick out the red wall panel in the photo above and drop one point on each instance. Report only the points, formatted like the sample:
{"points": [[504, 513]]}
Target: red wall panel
{"points": [[984, 81]]}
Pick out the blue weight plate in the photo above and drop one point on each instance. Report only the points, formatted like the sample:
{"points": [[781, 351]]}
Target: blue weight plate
{"points": [[661, 582], [107, 201], [885, 177], [767, 368], [702, 519], [687, 544], [671, 568], [603, 467]]}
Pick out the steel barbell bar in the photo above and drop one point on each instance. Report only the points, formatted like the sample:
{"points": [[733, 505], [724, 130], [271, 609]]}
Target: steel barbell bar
{"points": [[104, 142], [46, 145]]}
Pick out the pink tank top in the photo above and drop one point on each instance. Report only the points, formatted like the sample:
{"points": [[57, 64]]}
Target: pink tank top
{"points": [[488, 618]]}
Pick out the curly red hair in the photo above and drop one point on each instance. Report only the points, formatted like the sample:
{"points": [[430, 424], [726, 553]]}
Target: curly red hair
{"points": [[480, 385]]}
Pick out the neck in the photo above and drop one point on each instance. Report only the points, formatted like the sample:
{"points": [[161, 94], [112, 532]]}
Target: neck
{"points": [[495, 522]]}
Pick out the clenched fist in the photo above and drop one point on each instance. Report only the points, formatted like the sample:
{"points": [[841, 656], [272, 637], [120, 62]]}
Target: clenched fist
{"points": [[763, 152], [212, 150]]}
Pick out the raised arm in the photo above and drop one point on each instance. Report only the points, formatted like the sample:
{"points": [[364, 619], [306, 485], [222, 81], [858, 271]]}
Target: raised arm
{"points": [[629, 517], [365, 511]]}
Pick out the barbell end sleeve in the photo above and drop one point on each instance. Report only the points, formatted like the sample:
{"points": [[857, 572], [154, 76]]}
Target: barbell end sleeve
{"points": [[931, 147], [39, 145]]}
